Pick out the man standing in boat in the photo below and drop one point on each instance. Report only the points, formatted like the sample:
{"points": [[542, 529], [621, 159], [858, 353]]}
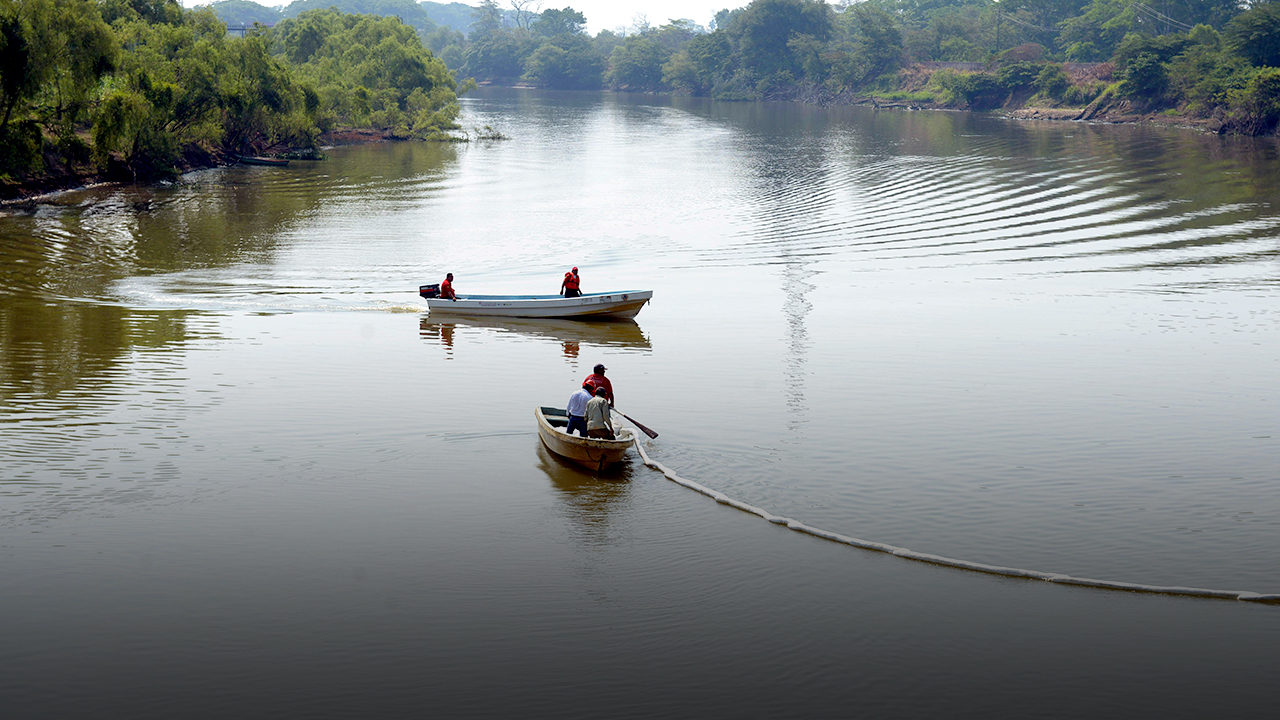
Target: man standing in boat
{"points": [[599, 424], [446, 288], [569, 287], [598, 381], [577, 410]]}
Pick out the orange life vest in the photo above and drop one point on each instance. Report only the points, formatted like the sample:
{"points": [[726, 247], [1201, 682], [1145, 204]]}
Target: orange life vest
{"points": [[570, 281]]}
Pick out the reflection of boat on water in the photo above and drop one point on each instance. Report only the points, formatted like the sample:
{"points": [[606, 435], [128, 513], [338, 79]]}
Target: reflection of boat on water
{"points": [[592, 453], [589, 501], [619, 304], [572, 333]]}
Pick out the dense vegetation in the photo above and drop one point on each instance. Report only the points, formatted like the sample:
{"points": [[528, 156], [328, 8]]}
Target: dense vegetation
{"points": [[142, 88], [1210, 59], [1196, 58], [1214, 60]]}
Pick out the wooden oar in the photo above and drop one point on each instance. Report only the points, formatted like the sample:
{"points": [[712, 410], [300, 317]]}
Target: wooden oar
{"points": [[643, 429]]}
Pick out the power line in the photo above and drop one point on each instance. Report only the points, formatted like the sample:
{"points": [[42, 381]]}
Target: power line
{"points": [[1159, 16], [1013, 19]]}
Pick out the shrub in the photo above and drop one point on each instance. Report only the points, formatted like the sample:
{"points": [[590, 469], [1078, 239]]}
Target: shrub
{"points": [[956, 49], [980, 91], [1083, 94], [1019, 76], [20, 146], [740, 88], [1052, 81], [1255, 34], [1144, 77], [1256, 109]]}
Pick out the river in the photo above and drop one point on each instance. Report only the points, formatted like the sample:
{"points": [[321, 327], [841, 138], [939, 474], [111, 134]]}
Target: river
{"points": [[244, 473]]}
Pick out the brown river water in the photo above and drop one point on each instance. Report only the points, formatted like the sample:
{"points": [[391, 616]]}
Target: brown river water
{"points": [[245, 473]]}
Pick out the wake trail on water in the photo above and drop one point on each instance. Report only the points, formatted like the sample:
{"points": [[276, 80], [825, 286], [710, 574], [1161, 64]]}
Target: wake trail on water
{"points": [[1244, 595]]}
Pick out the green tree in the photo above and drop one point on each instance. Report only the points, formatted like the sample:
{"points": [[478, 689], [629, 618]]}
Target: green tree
{"points": [[154, 12], [557, 22], [499, 55], [675, 35], [447, 44], [1052, 81], [766, 26], [1094, 34], [166, 95], [1255, 109], [566, 62], [1255, 35], [368, 70], [605, 41], [870, 46], [1144, 77], [262, 105], [705, 62], [19, 77], [1162, 47], [245, 13], [409, 12], [486, 20], [69, 49], [301, 38], [637, 63]]}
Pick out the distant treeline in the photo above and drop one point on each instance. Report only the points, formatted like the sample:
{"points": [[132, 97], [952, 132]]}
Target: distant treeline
{"points": [[142, 88], [422, 16], [1196, 58]]}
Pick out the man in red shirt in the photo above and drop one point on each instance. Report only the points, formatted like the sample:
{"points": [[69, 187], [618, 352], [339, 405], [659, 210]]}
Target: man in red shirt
{"points": [[598, 380], [446, 288], [571, 284]]}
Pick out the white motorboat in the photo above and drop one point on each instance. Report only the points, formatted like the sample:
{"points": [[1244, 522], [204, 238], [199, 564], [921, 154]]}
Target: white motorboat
{"points": [[622, 304]]}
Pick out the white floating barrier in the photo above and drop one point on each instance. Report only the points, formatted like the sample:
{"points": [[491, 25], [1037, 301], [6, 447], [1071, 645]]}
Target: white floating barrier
{"points": [[1244, 595]]}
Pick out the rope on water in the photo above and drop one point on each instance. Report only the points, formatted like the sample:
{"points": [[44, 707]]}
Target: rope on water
{"points": [[798, 526]]}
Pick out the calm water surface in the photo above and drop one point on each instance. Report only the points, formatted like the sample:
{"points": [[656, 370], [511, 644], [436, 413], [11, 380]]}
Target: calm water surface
{"points": [[244, 473]]}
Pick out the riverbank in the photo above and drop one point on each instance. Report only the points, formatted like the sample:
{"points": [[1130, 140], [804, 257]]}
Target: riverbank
{"points": [[1087, 95], [61, 175], [1121, 116]]}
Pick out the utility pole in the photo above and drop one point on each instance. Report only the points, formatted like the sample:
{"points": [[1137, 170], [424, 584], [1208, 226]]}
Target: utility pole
{"points": [[997, 50]]}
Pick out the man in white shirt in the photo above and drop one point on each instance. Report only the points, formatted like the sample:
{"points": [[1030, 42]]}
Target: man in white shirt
{"points": [[577, 410], [599, 424]]}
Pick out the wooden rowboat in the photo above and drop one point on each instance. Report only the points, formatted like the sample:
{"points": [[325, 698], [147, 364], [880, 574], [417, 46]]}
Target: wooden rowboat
{"points": [[253, 160], [618, 305], [592, 453]]}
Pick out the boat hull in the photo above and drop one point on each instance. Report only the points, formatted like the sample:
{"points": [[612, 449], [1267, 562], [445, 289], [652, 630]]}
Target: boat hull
{"points": [[592, 453], [611, 305], [253, 160]]}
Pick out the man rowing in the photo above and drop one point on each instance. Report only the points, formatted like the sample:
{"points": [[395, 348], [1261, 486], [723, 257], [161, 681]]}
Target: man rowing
{"points": [[597, 380]]}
